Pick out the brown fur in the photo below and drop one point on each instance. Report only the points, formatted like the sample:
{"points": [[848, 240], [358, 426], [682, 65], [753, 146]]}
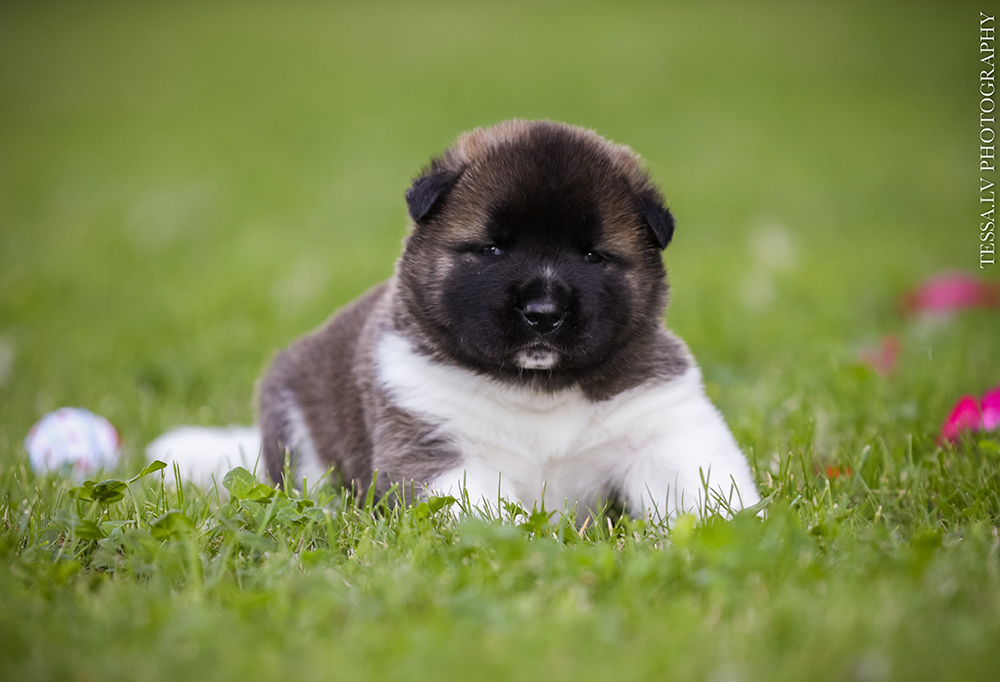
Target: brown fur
{"points": [[329, 374]]}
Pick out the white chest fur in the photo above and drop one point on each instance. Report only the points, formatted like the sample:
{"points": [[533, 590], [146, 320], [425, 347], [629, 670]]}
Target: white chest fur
{"points": [[655, 446]]}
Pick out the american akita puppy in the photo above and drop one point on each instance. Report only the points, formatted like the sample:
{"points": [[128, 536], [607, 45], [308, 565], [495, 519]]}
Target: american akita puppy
{"points": [[518, 348]]}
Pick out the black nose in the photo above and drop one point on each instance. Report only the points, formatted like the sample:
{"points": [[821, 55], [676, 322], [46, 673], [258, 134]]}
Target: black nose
{"points": [[543, 315]]}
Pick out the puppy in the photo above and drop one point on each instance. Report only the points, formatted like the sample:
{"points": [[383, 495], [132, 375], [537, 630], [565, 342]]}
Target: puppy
{"points": [[518, 350]]}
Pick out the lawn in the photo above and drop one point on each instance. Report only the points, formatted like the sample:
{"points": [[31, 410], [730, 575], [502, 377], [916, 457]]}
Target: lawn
{"points": [[186, 187]]}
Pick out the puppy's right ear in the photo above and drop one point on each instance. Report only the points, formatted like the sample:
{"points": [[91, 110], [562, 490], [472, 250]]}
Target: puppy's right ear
{"points": [[428, 192], [658, 217]]}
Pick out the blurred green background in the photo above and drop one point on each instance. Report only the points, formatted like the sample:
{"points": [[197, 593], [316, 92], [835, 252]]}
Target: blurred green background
{"points": [[185, 187]]}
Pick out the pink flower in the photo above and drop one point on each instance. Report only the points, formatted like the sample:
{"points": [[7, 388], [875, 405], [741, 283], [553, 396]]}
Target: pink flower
{"points": [[991, 409], [948, 292], [882, 359], [970, 415], [965, 416]]}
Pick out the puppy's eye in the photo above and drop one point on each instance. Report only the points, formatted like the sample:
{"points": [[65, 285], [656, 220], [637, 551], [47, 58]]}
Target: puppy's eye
{"points": [[490, 250], [594, 257]]}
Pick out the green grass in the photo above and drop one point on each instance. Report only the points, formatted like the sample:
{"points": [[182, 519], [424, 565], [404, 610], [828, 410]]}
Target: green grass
{"points": [[184, 188]]}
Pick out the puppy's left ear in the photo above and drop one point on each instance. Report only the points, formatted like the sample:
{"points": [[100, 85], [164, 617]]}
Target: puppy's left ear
{"points": [[658, 217], [428, 192]]}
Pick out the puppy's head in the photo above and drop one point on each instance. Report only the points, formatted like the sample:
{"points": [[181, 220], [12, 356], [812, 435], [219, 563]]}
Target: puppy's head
{"points": [[535, 251]]}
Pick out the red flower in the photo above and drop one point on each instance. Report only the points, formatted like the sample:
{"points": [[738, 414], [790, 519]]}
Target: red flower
{"points": [[834, 472]]}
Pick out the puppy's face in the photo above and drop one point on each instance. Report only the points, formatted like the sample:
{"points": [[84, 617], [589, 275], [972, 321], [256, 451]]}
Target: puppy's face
{"points": [[535, 251]]}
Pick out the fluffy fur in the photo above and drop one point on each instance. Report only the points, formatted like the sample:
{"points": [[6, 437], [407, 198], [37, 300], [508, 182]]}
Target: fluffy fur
{"points": [[661, 448], [519, 346]]}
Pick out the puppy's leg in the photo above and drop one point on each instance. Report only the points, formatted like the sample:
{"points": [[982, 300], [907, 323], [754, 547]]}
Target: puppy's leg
{"points": [[481, 486], [688, 461], [285, 429]]}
